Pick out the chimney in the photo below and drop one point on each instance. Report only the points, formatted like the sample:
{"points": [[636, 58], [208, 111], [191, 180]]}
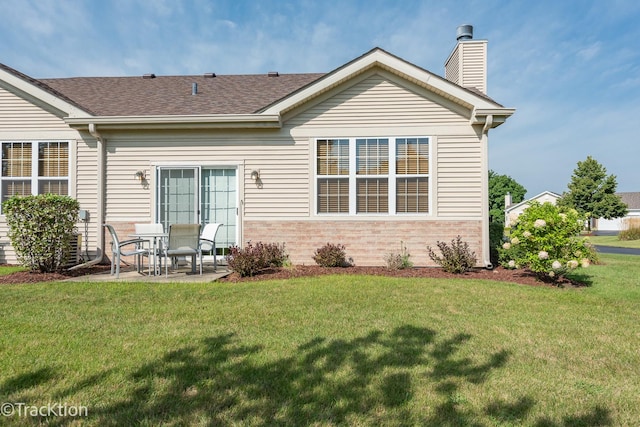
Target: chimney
{"points": [[507, 200], [467, 64]]}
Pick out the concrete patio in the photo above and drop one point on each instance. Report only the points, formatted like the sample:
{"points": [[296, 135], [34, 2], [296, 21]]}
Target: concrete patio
{"points": [[181, 274]]}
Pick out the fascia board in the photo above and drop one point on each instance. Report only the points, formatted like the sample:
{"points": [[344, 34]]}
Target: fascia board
{"points": [[21, 87], [178, 122]]}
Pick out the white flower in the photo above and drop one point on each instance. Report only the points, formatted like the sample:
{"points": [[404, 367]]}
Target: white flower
{"points": [[506, 245], [526, 234], [512, 264], [552, 274], [556, 265], [585, 263], [543, 255], [515, 241], [572, 264], [539, 223], [563, 216]]}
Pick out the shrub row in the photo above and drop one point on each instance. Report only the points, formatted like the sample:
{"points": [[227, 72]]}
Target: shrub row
{"points": [[251, 259]]}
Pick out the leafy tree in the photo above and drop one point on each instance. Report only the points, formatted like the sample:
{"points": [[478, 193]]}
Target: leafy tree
{"points": [[499, 186], [592, 192]]}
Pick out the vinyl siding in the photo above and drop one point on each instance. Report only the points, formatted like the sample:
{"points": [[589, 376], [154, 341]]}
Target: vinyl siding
{"points": [[459, 183], [283, 165], [18, 116], [474, 69], [20, 120], [375, 102]]}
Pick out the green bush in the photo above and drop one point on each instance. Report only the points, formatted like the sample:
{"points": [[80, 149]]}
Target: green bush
{"points": [[545, 239], [251, 259], [632, 233], [331, 255], [456, 258], [39, 229]]}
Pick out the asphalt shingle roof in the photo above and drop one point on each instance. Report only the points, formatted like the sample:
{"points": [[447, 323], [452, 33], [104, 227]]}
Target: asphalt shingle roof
{"points": [[171, 95]]}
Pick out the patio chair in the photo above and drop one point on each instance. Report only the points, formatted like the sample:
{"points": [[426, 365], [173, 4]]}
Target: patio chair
{"points": [[208, 242], [183, 241], [118, 251], [153, 241]]}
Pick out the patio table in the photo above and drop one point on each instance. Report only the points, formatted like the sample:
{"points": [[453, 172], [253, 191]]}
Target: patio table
{"points": [[157, 240]]}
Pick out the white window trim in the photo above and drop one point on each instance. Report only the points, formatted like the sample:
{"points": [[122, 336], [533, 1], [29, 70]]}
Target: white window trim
{"points": [[35, 179], [391, 176]]}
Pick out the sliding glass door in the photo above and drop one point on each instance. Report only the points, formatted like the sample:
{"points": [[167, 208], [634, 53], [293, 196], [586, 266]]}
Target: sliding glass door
{"points": [[199, 194]]}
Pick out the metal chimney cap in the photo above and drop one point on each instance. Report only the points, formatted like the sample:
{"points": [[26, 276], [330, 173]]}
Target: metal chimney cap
{"points": [[464, 32]]}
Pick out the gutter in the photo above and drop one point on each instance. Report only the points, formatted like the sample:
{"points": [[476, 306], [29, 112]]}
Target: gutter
{"points": [[100, 146]]}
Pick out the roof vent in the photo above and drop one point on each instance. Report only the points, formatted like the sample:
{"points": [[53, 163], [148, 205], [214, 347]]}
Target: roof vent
{"points": [[464, 32], [209, 75], [149, 76], [273, 74]]}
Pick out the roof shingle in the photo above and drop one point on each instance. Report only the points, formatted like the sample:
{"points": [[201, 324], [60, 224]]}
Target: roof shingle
{"points": [[171, 95]]}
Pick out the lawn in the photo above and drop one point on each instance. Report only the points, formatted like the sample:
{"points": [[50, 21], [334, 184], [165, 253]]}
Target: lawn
{"points": [[614, 241], [333, 350]]}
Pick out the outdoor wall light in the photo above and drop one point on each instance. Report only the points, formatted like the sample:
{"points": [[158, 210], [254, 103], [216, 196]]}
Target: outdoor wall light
{"points": [[255, 175], [141, 175]]}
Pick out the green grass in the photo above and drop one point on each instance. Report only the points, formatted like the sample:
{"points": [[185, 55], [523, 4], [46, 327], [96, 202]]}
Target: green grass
{"points": [[8, 269], [336, 350], [613, 241]]}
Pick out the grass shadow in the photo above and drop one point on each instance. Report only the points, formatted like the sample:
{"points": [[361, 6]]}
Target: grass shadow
{"points": [[370, 379]]}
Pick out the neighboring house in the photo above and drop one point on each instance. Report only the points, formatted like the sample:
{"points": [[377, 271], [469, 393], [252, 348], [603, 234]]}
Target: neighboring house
{"points": [[512, 212], [618, 224], [375, 152]]}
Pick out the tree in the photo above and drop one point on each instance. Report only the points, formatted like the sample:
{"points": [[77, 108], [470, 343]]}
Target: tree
{"points": [[499, 186], [592, 192]]}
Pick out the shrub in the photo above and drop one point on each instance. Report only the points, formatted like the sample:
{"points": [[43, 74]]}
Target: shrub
{"points": [[545, 239], [456, 258], [39, 229], [632, 233], [331, 255], [398, 261], [251, 259]]}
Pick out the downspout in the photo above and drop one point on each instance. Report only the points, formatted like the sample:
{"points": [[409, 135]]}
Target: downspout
{"points": [[486, 248], [100, 147]]}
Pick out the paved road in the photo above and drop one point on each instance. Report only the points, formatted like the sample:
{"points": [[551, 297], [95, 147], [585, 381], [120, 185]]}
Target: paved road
{"points": [[616, 250]]}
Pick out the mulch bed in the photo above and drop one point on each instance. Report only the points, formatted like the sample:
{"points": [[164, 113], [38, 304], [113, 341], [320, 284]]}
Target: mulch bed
{"points": [[498, 274]]}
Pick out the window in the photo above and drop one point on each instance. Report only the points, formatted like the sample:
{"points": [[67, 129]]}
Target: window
{"points": [[372, 176], [34, 168]]}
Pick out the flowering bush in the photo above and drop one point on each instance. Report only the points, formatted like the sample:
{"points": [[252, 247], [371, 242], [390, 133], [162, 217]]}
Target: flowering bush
{"points": [[545, 240]]}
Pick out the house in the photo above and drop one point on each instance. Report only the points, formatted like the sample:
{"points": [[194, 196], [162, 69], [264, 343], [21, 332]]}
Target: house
{"points": [[632, 200], [513, 211], [374, 153]]}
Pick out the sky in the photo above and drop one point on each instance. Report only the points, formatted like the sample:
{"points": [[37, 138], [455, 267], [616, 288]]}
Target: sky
{"points": [[571, 69]]}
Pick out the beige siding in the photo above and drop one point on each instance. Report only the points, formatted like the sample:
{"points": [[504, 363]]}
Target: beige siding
{"points": [[452, 67], [459, 182], [21, 120], [375, 102], [474, 71], [18, 116], [283, 165], [467, 65]]}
